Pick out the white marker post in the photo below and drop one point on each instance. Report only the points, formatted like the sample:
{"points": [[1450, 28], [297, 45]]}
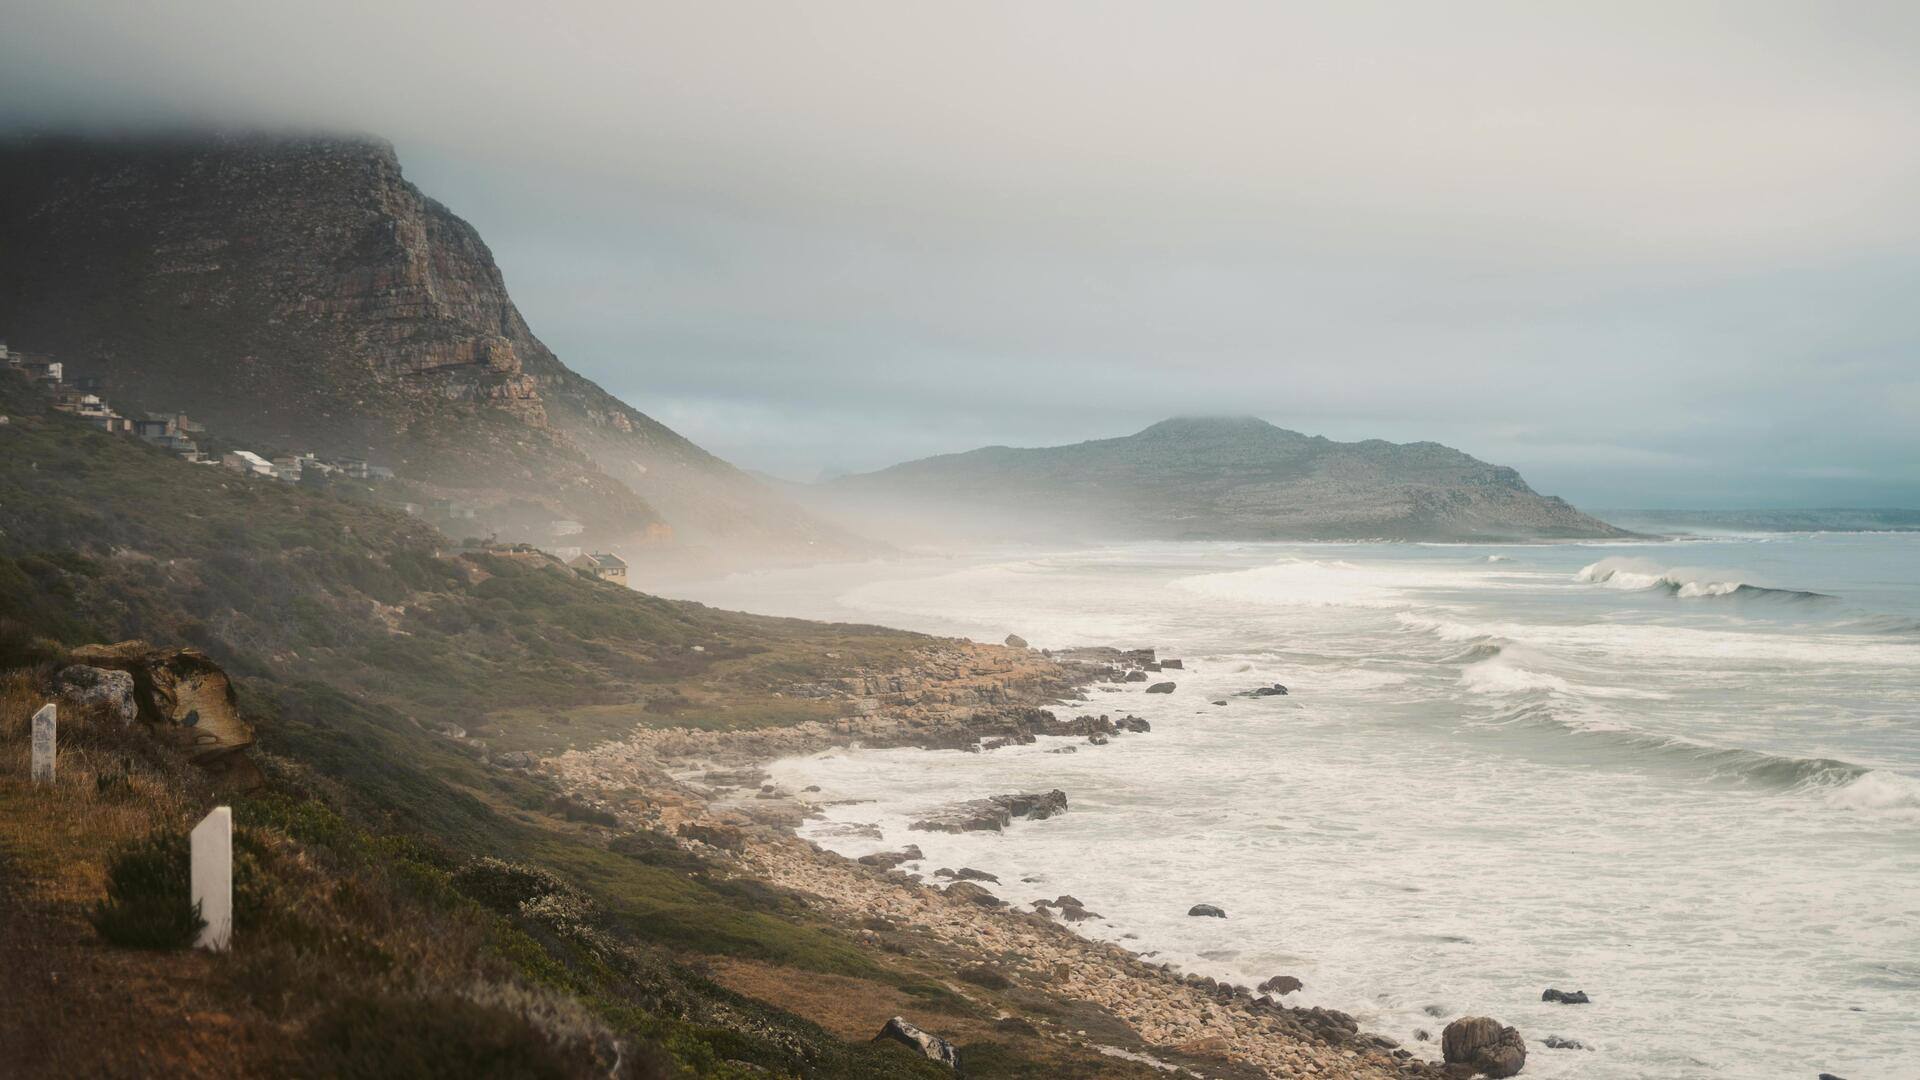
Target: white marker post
{"points": [[212, 845], [45, 742]]}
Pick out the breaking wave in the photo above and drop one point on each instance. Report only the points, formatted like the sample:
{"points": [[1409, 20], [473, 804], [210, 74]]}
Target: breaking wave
{"points": [[1639, 574], [1841, 785]]}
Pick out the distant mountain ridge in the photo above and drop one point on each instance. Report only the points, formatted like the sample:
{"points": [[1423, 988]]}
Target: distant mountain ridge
{"points": [[298, 293], [1223, 478]]}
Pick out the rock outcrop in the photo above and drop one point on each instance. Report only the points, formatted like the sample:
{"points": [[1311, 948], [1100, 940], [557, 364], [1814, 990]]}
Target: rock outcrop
{"points": [[993, 814], [1483, 1045], [182, 696], [932, 1047]]}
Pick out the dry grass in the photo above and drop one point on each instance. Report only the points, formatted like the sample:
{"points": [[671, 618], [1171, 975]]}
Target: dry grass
{"points": [[317, 928]]}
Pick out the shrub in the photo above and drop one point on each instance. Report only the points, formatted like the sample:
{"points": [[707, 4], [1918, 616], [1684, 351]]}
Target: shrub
{"points": [[148, 903], [504, 886], [450, 1037]]}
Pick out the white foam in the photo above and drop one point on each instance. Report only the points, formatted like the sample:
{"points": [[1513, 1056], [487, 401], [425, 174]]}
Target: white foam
{"points": [[1500, 675], [1878, 792], [1620, 572]]}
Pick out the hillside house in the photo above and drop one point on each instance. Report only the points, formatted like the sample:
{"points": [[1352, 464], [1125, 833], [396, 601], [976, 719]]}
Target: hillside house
{"points": [[602, 564], [247, 461]]}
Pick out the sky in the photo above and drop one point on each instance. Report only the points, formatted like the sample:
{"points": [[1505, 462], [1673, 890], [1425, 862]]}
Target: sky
{"points": [[1650, 254]]}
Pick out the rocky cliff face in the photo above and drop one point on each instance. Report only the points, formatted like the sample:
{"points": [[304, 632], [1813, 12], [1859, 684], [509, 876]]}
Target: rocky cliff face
{"points": [[301, 294], [1222, 479]]}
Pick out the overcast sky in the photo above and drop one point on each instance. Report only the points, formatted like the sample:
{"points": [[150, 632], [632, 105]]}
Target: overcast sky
{"points": [[1659, 254]]}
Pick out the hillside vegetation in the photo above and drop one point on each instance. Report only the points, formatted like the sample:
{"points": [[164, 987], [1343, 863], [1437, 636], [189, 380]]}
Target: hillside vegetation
{"points": [[408, 906]]}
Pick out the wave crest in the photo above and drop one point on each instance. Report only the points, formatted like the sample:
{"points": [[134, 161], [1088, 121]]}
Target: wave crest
{"points": [[1687, 584]]}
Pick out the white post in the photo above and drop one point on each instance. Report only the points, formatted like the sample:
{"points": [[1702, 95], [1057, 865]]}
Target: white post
{"points": [[212, 845], [45, 742]]}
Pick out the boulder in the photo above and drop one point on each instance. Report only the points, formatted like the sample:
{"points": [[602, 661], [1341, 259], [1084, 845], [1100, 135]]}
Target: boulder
{"points": [[1134, 724], [1555, 1042], [1134, 676], [1484, 1045], [517, 759], [995, 813], [1161, 688], [1280, 985], [89, 687], [181, 695], [1176, 665], [932, 1047], [1564, 997], [1062, 750], [974, 894], [1276, 690], [1097, 740], [1015, 641], [1206, 911], [887, 860]]}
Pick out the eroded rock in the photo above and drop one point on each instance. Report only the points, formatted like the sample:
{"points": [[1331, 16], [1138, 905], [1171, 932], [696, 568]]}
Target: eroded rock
{"points": [[1206, 911]]}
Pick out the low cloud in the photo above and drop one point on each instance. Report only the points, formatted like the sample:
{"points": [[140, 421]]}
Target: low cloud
{"points": [[832, 236]]}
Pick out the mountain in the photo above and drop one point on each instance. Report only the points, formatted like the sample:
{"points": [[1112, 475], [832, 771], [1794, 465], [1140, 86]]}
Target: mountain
{"points": [[1216, 479], [299, 294]]}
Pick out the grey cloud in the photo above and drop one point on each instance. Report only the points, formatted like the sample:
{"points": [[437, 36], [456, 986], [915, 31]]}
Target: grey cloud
{"points": [[1646, 253]]}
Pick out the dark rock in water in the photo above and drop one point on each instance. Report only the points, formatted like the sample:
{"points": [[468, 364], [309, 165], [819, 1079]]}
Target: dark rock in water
{"points": [[1830, 1076], [811, 788], [1134, 676], [1097, 740], [1134, 724], [1276, 690], [1068, 907], [1161, 688], [1063, 750], [1176, 665], [1015, 641], [1280, 985], [1021, 739], [1206, 911], [994, 814], [887, 860], [1555, 1042], [1564, 997], [966, 873], [929, 1046], [1422, 1035], [1484, 1044], [1150, 666], [1048, 724], [968, 891], [1220, 702]]}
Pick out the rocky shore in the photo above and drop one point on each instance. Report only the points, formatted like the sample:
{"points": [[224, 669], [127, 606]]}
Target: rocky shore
{"points": [[707, 790]]}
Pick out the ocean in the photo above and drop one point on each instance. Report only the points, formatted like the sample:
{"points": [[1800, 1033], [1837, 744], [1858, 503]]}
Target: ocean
{"points": [[1681, 776]]}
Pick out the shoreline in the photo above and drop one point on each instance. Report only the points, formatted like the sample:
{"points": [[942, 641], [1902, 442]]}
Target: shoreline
{"points": [[709, 790]]}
